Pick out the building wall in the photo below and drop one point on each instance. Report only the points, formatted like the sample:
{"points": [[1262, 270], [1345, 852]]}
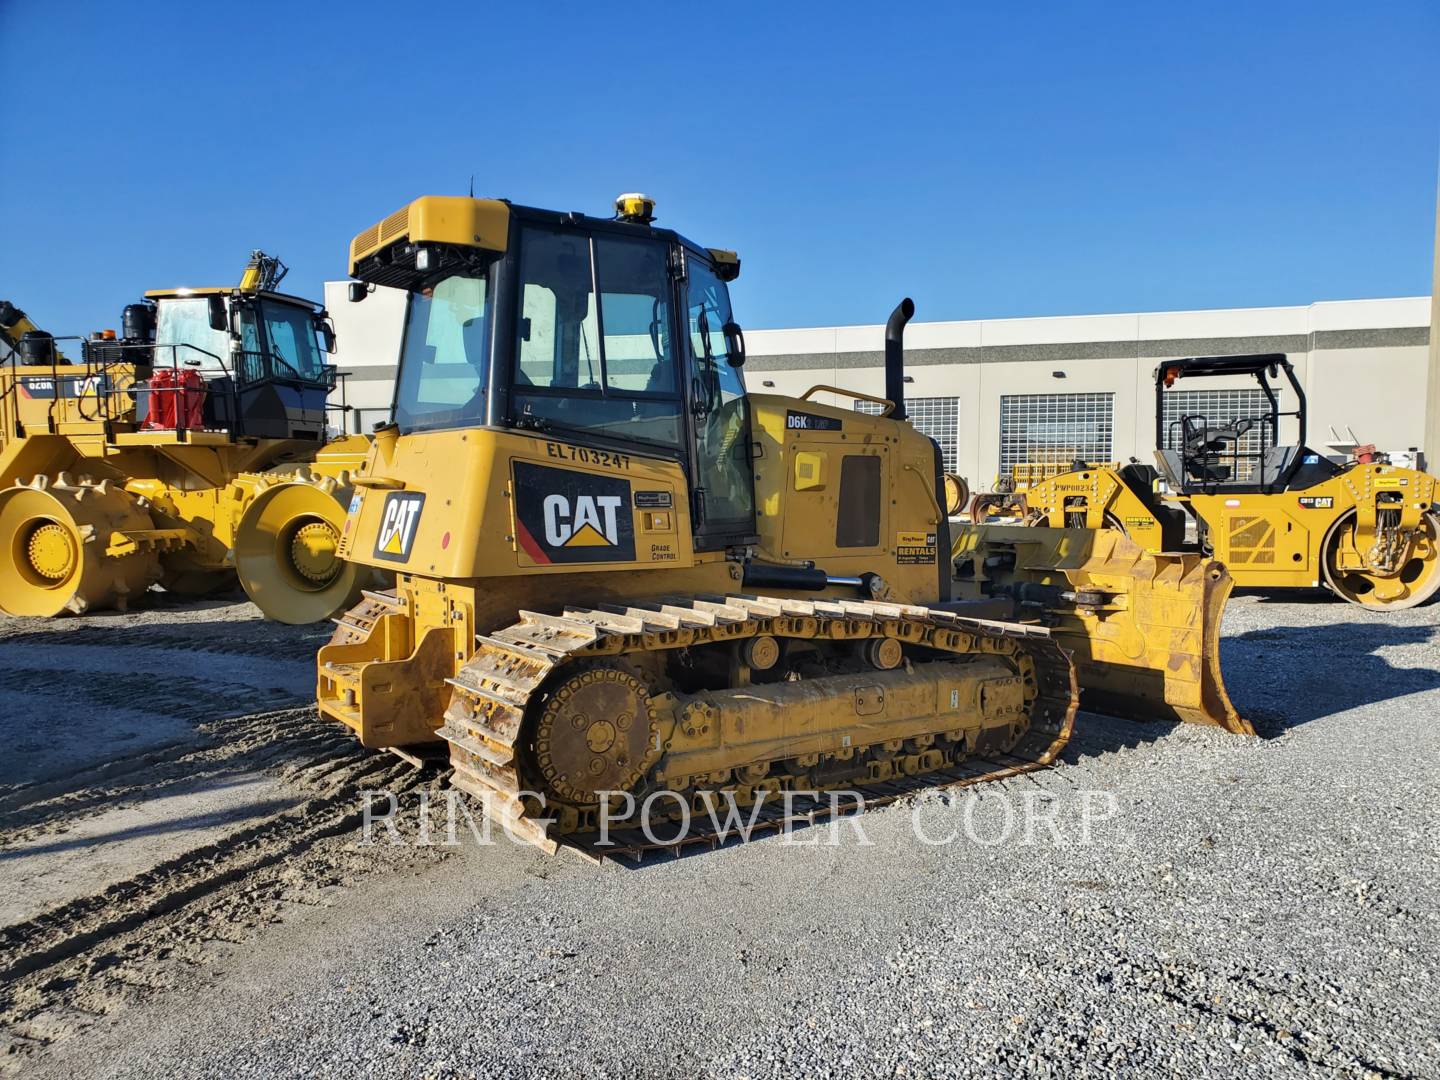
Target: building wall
{"points": [[1363, 365], [367, 349]]}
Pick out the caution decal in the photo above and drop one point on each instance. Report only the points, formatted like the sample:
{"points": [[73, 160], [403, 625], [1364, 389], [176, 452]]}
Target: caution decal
{"points": [[564, 516], [399, 522]]}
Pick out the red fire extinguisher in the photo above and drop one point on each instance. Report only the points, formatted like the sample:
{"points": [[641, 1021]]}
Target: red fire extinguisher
{"points": [[162, 400], [190, 410]]}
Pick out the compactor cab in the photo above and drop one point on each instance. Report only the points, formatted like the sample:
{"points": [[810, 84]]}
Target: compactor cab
{"points": [[262, 355], [1200, 454], [242, 363]]}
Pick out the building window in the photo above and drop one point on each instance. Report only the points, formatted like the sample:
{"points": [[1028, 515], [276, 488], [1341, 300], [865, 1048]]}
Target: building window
{"points": [[1054, 429], [937, 417], [1217, 408]]}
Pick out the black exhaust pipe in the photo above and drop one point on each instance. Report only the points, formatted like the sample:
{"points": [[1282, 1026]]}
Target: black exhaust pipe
{"points": [[895, 356]]}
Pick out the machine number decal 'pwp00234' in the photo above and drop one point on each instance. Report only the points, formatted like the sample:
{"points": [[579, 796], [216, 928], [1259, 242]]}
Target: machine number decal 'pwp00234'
{"points": [[399, 522], [915, 548], [562, 516]]}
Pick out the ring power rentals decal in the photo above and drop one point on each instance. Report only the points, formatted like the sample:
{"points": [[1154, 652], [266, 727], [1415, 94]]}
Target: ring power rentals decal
{"points": [[915, 548], [399, 522], [562, 516]]}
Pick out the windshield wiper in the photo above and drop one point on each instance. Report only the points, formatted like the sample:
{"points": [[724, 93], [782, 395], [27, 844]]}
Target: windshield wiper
{"points": [[545, 424]]}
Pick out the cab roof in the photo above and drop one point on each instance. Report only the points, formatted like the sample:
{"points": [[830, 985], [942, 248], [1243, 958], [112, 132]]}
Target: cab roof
{"points": [[484, 224], [225, 290], [1244, 364]]}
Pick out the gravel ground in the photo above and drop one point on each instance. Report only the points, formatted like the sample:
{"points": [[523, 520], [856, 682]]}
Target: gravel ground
{"points": [[1251, 906]]}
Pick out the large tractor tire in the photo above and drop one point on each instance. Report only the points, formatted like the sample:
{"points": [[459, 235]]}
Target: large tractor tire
{"points": [[1414, 582], [63, 547], [287, 548]]}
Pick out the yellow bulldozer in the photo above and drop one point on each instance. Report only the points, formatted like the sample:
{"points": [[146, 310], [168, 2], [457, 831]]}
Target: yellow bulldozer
{"points": [[624, 582], [1278, 514], [189, 451]]}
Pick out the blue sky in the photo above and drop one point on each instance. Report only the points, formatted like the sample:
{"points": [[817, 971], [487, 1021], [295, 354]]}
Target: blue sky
{"points": [[990, 160]]}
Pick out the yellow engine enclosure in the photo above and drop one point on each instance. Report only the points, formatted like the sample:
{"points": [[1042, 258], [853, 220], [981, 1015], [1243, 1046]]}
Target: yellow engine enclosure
{"points": [[468, 556]]}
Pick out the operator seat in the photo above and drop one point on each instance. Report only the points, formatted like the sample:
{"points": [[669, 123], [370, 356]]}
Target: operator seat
{"points": [[1204, 444]]}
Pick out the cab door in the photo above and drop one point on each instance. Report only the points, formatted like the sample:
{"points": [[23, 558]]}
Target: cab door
{"points": [[722, 479]]}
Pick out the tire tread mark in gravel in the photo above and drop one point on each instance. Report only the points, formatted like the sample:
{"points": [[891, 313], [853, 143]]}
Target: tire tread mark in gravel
{"points": [[224, 747], [93, 919]]}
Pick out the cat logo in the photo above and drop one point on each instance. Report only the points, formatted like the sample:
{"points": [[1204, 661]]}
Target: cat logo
{"points": [[399, 522], [591, 522], [564, 516]]}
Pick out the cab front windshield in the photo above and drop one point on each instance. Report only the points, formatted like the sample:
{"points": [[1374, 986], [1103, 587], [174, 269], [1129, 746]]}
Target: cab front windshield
{"points": [[290, 335], [184, 337], [444, 361]]}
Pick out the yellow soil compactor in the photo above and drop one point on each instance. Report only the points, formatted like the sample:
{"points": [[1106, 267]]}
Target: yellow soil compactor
{"points": [[187, 451], [621, 579], [1277, 514]]}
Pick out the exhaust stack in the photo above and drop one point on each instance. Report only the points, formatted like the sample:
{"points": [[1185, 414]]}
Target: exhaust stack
{"points": [[895, 356]]}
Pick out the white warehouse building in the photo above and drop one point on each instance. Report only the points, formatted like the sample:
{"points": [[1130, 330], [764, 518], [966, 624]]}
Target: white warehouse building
{"points": [[997, 393]]}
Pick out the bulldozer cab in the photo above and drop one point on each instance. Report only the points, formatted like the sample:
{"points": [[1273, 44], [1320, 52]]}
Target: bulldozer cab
{"points": [[1213, 454], [612, 336]]}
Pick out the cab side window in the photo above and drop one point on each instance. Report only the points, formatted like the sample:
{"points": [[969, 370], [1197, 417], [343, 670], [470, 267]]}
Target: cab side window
{"points": [[722, 432], [635, 306], [559, 333]]}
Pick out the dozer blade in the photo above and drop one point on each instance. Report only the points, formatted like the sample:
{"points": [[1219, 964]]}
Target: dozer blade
{"points": [[1143, 629]]}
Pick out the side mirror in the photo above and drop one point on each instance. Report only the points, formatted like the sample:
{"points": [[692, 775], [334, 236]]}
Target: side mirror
{"points": [[219, 319], [734, 343], [358, 291], [326, 330]]}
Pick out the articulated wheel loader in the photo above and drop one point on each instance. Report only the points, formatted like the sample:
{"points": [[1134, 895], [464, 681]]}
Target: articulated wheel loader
{"points": [[623, 580], [189, 451], [1278, 515]]}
